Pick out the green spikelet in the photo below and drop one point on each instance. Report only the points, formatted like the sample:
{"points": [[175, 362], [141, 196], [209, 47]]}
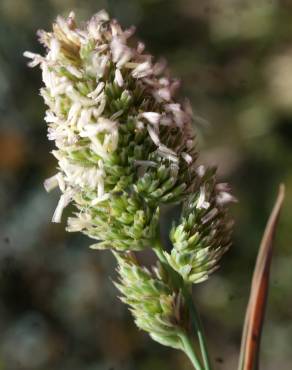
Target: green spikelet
{"points": [[123, 223]]}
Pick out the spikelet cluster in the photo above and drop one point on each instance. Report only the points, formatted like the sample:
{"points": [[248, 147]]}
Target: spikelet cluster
{"points": [[125, 146], [203, 233], [156, 307]]}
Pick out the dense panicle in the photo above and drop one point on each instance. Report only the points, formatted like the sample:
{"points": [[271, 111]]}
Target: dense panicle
{"points": [[117, 128]]}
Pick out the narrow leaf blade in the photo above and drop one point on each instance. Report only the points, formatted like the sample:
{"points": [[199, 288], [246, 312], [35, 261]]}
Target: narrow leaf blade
{"points": [[250, 344]]}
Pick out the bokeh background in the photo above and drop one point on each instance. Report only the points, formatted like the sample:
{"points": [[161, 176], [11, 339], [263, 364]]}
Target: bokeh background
{"points": [[58, 307]]}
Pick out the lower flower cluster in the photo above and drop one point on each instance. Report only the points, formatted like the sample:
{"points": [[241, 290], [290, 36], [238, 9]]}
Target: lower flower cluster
{"points": [[157, 307]]}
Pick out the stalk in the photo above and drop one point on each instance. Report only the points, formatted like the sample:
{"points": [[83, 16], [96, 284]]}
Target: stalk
{"points": [[190, 352], [197, 324]]}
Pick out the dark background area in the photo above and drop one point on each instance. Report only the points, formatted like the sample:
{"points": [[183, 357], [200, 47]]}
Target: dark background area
{"points": [[58, 307]]}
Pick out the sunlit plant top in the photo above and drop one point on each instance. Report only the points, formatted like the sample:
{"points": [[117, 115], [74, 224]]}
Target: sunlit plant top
{"points": [[125, 146]]}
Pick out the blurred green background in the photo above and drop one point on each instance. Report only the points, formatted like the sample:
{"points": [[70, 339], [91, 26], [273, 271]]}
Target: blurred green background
{"points": [[58, 307]]}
